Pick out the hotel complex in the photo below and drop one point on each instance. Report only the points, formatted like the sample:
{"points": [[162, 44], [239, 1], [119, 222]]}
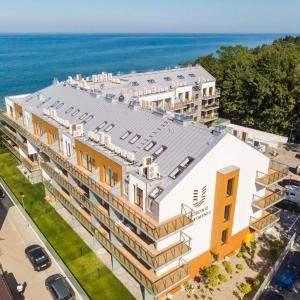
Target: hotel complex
{"points": [[128, 157]]}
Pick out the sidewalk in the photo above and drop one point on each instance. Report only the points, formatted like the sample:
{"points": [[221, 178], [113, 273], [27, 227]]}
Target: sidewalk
{"points": [[16, 235]]}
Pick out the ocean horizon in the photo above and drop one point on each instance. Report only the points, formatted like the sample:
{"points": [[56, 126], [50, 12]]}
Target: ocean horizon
{"points": [[29, 62]]}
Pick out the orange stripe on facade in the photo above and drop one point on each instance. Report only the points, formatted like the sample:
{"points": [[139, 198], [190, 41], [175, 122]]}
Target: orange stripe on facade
{"points": [[220, 223], [40, 127], [18, 111], [101, 161]]}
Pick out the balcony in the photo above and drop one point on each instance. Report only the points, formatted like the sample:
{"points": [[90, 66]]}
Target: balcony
{"points": [[268, 218], [147, 252], [269, 199], [277, 172], [181, 104], [155, 284], [209, 107], [130, 211], [30, 165], [217, 94], [208, 118]]}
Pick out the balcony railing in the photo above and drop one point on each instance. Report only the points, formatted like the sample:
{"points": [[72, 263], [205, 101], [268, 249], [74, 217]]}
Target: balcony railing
{"points": [[181, 105], [208, 118], [156, 231], [277, 172], [13, 137], [30, 165], [154, 283], [270, 199], [154, 260], [212, 96], [209, 107], [268, 219]]}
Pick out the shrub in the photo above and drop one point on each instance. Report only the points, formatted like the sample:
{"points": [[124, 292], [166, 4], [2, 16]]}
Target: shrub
{"points": [[277, 244], [211, 273], [258, 281], [228, 266], [240, 254], [214, 282], [243, 249], [273, 253], [189, 288], [240, 267], [245, 288], [236, 294], [252, 249], [222, 278]]}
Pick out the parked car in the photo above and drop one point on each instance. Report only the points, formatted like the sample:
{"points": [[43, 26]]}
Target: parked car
{"points": [[59, 287], [38, 257], [2, 194], [271, 295]]}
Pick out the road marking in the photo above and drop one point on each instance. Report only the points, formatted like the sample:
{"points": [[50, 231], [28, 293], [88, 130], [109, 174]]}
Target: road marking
{"points": [[294, 223]]}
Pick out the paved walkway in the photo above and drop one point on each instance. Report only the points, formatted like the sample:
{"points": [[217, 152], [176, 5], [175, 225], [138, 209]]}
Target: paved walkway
{"points": [[127, 280], [15, 236]]}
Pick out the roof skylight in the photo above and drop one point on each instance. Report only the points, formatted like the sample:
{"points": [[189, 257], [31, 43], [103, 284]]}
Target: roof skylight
{"points": [[167, 78], [109, 127], [134, 139], [180, 76], [151, 81], [69, 109], [150, 146], [83, 116], [89, 118], [125, 135], [192, 75], [159, 151], [182, 166], [100, 126], [76, 112], [135, 83], [59, 105]]}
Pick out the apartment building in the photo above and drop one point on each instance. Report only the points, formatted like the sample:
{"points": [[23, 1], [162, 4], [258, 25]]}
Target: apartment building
{"points": [[163, 195], [190, 92]]}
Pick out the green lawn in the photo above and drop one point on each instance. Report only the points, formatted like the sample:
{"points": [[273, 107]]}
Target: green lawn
{"points": [[91, 273]]}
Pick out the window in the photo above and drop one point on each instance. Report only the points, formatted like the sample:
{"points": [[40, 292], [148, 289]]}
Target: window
{"points": [[224, 237], [109, 127], [192, 75], [178, 170], [69, 109], [150, 146], [100, 126], [227, 213], [59, 105], [180, 76], [125, 135], [204, 92], [151, 81], [138, 197], [229, 189], [167, 78], [76, 112], [89, 118], [126, 186], [210, 91], [88, 162], [68, 149], [135, 83], [83, 116], [135, 139], [111, 177], [159, 151]]}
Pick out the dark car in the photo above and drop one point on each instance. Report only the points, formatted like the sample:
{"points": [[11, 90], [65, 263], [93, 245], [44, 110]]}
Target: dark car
{"points": [[271, 295], [286, 182], [38, 257], [59, 287], [2, 195]]}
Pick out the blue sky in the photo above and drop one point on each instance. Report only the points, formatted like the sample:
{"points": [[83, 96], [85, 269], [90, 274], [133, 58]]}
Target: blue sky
{"points": [[233, 16]]}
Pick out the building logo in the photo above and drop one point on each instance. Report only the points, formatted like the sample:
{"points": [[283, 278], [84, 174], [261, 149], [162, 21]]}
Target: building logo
{"points": [[197, 203]]}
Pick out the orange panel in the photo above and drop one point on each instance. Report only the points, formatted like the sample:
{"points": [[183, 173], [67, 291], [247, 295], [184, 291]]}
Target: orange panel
{"points": [[219, 224], [101, 161], [19, 111]]}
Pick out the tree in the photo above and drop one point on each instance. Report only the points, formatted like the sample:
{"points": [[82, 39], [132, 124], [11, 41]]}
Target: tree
{"points": [[260, 88]]}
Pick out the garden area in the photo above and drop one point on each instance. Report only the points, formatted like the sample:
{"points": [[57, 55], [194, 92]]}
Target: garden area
{"points": [[237, 277], [94, 277]]}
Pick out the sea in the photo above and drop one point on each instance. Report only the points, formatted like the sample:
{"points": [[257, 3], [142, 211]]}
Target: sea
{"points": [[29, 62]]}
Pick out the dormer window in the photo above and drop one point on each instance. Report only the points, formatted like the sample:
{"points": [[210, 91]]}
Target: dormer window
{"points": [[159, 151], [150, 146], [109, 127], [182, 166], [125, 135]]}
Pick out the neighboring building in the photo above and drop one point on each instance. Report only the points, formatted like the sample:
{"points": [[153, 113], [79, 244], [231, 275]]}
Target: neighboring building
{"points": [[163, 195], [261, 140], [190, 91]]}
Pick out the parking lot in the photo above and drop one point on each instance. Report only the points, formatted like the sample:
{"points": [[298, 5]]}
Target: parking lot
{"points": [[15, 236]]}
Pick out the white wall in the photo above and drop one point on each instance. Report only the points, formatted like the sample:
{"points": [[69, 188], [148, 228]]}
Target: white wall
{"points": [[230, 151], [9, 104]]}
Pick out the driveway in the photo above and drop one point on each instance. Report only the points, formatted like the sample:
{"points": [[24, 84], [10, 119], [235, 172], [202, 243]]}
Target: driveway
{"points": [[15, 236]]}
